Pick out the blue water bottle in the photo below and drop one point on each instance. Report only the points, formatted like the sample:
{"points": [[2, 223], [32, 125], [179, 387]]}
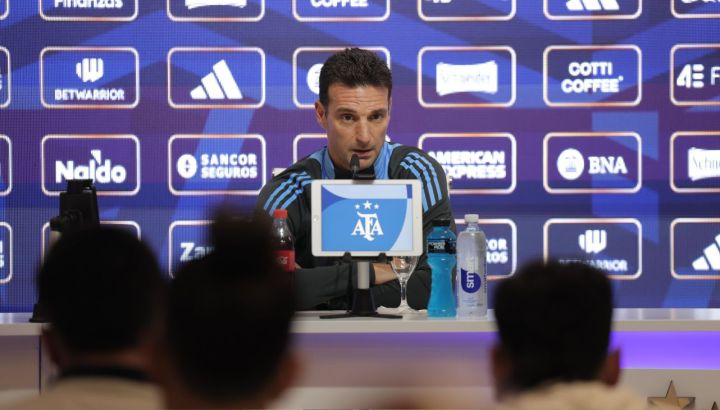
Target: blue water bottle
{"points": [[441, 258]]}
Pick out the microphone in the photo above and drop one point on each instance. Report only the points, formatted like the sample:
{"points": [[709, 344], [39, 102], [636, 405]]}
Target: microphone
{"points": [[354, 166], [367, 174]]}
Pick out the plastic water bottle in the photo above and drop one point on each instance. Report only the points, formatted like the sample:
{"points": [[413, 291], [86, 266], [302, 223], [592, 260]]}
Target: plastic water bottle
{"points": [[471, 286], [441, 258], [285, 251]]}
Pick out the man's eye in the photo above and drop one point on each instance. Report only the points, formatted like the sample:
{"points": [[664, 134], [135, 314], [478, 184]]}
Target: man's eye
{"points": [[376, 117], [347, 117]]}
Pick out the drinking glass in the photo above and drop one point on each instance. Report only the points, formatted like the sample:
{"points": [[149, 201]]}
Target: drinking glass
{"points": [[403, 266]]}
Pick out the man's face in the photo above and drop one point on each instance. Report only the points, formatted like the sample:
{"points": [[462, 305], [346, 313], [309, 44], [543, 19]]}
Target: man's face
{"points": [[356, 120]]}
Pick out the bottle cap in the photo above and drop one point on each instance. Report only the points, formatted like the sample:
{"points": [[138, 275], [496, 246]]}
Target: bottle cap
{"points": [[471, 218], [280, 213], [441, 222]]}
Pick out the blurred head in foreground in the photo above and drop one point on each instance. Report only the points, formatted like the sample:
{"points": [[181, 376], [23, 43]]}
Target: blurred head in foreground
{"points": [[103, 293], [554, 323], [228, 322]]}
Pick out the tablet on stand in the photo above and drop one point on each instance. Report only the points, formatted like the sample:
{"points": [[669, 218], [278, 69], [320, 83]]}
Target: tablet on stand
{"points": [[367, 220]]}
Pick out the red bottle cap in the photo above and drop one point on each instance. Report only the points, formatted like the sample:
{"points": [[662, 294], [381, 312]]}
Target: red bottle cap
{"points": [[280, 213]]}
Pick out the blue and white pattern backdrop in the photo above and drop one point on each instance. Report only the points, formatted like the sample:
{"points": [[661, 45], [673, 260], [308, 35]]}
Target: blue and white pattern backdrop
{"points": [[579, 129]]}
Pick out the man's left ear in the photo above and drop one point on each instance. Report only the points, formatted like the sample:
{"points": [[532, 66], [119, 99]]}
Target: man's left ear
{"points": [[610, 372]]}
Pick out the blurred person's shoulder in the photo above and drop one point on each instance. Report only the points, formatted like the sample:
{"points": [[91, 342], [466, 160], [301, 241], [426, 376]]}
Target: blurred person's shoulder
{"points": [[95, 393], [576, 396]]}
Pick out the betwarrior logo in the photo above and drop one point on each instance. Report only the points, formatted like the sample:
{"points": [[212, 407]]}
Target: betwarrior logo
{"points": [[98, 169]]}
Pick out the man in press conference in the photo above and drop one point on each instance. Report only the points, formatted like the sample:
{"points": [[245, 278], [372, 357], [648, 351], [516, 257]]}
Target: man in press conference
{"points": [[354, 110]]}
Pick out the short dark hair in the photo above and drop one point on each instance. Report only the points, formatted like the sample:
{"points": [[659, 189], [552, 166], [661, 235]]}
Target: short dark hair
{"points": [[229, 313], [354, 67], [554, 322], [101, 289]]}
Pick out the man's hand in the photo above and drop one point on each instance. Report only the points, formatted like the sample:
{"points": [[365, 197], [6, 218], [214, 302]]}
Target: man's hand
{"points": [[383, 273]]}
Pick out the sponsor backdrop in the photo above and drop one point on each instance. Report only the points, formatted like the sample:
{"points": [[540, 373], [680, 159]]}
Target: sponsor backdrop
{"points": [[578, 129]]}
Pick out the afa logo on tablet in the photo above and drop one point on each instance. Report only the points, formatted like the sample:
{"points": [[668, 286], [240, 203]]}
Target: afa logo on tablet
{"points": [[378, 219]]}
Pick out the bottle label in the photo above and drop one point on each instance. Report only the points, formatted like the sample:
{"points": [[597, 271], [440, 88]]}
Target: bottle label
{"points": [[286, 260], [470, 281], [441, 246]]}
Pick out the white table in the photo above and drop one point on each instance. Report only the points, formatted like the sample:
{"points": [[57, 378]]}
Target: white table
{"points": [[359, 362]]}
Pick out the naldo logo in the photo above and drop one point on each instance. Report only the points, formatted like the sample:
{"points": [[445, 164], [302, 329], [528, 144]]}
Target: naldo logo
{"points": [[111, 161], [99, 169], [368, 224]]}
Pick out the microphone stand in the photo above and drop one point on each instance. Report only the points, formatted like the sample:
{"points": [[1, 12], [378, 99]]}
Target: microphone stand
{"points": [[363, 304]]}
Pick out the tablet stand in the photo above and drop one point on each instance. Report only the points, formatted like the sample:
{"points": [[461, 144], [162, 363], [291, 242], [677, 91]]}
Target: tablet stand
{"points": [[363, 304]]}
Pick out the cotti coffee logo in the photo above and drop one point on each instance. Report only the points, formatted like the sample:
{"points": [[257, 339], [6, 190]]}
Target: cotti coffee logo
{"points": [[575, 163], [695, 162], [592, 9], [501, 255], [459, 10], [466, 77], [89, 77], [695, 248], [6, 253], [586, 76], [89, 10], [307, 63], [481, 163], [111, 161], [5, 83], [216, 77], [613, 244], [216, 164], [223, 11], [694, 9], [341, 10], [695, 74], [187, 240]]}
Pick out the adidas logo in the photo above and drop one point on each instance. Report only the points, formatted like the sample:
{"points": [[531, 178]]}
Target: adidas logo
{"points": [[710, 259], [218, 85], [592, 5]]}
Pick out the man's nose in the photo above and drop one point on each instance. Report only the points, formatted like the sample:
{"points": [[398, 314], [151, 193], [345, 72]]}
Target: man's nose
{"points": [[362, 133]]}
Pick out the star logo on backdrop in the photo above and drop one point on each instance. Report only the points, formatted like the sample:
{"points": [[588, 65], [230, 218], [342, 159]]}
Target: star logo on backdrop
{"points": [[672, 400]]}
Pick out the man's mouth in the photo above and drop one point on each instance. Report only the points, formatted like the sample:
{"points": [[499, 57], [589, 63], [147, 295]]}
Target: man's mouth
{"points": [[363, 153]]}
